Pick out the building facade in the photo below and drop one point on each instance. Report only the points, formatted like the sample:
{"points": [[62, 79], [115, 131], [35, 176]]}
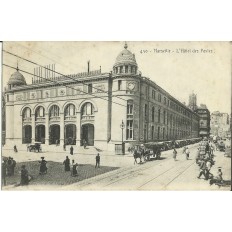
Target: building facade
{"points": [[92, 106], [220, 124], [204, 122]]}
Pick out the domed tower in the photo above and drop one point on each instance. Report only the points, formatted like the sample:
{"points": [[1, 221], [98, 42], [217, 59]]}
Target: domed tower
{"points": [[16, 79], [125, 63]]}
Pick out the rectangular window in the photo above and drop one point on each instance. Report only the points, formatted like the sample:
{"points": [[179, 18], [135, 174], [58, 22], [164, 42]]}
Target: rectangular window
{"points": [[158, 135], [129, 129], [159, 97], [126, 69], [165, 100], [119, 84], [152, 132], [164, 116], [121, 69], [145, 132], [90, 88], [130, 109], [145, 111]]}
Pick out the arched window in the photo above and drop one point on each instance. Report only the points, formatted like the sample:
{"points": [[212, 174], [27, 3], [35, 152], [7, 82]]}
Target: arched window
{"points": [[69, 110], [26, 113], [39, 113], [54, 111], [87, 109]]}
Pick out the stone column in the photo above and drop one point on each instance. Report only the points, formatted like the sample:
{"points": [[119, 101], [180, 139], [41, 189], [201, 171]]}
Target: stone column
{"points": [[78, 129], [47, 129], [61, 129], [33, 128]]}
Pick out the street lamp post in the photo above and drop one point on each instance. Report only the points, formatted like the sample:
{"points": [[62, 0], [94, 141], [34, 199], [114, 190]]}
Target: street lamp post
{"points": [[122, 126]]}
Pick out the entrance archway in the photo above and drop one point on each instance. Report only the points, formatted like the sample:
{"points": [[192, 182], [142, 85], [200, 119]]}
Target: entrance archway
{"points": [[70, 134], [27, 134], [40, 133], [54, 134], [87, 134]]}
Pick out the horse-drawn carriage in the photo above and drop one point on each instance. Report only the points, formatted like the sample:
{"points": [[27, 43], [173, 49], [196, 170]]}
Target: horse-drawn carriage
{"points": [[221, 146], [148, 151], [35, 147]]}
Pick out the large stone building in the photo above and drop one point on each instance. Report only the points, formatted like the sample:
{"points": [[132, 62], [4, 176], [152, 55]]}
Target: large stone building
{"points": [[220, 124], [204, 122], [92, 106]]}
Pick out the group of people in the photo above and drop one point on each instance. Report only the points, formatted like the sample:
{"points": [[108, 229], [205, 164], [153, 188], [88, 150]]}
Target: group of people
{"points": [[70, 167], [8, 168], [185, 151], [205, 160]]}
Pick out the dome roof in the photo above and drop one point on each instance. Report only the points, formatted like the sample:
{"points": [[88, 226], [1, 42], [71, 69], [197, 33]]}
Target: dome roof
{"points": [[17, 79], [125, 57]]}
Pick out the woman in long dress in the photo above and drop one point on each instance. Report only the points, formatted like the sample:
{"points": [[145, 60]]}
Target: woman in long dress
{"points": [[43, 167]]}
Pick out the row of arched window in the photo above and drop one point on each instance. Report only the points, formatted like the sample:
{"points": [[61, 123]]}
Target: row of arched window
{"points": [[54, 111]]}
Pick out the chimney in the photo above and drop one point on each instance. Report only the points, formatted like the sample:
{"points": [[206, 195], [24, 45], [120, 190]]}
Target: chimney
{"points": [[88, 66]]}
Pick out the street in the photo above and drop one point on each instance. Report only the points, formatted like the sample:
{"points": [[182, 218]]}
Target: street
{"points": [[118, 172]]}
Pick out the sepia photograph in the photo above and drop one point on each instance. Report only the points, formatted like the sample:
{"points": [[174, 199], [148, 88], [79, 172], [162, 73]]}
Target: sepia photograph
{"points": [[116, 115]]}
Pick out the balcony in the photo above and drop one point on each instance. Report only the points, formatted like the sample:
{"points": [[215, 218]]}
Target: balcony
{"points": [[70, 118], [40, 119], [54, 119], [27, 120], [87, 117]]}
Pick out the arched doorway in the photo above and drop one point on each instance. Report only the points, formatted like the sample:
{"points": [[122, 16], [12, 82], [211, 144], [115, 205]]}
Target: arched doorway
{"points": [[87, 134], [40, 133], [70, 134], [27, 134], [54, 134]]}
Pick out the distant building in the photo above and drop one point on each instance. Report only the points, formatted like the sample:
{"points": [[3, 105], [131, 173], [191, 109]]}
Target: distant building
{"points": [[192, 102], [220, 124], [204, 122]]}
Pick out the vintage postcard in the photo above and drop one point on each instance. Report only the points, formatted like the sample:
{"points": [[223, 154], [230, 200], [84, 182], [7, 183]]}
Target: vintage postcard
{"points": [[116, 116]]}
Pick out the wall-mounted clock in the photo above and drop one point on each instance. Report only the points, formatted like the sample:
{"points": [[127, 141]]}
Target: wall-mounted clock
{"points": [[131, 85]]}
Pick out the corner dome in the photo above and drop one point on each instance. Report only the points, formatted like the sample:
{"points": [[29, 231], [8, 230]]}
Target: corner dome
{"points": [[17, 79], [125, 57]]}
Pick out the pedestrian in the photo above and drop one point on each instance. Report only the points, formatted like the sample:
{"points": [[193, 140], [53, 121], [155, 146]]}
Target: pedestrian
{"points": [[174, 154], [97, 161], [66, 164], [64, 147], [4, 167], [187, 153], [219, 175], [15, 148], [184, 149], [202, 169], [71, 150], [84, 143], [43, 166], [9, 166], [13, 166], [24, 176], [74, 169]]}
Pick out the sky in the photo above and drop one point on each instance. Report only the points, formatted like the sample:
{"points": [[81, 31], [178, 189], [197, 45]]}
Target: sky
{"points": [[181, 68]]}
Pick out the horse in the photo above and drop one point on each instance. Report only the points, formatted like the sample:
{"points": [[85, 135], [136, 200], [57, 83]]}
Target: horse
{"points": [[139, 153]]}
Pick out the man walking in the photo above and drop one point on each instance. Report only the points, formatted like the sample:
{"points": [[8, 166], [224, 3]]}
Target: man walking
{"points": [[66, 164], [24, 176], [4, 166], [97, 161], [71, 150]]}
